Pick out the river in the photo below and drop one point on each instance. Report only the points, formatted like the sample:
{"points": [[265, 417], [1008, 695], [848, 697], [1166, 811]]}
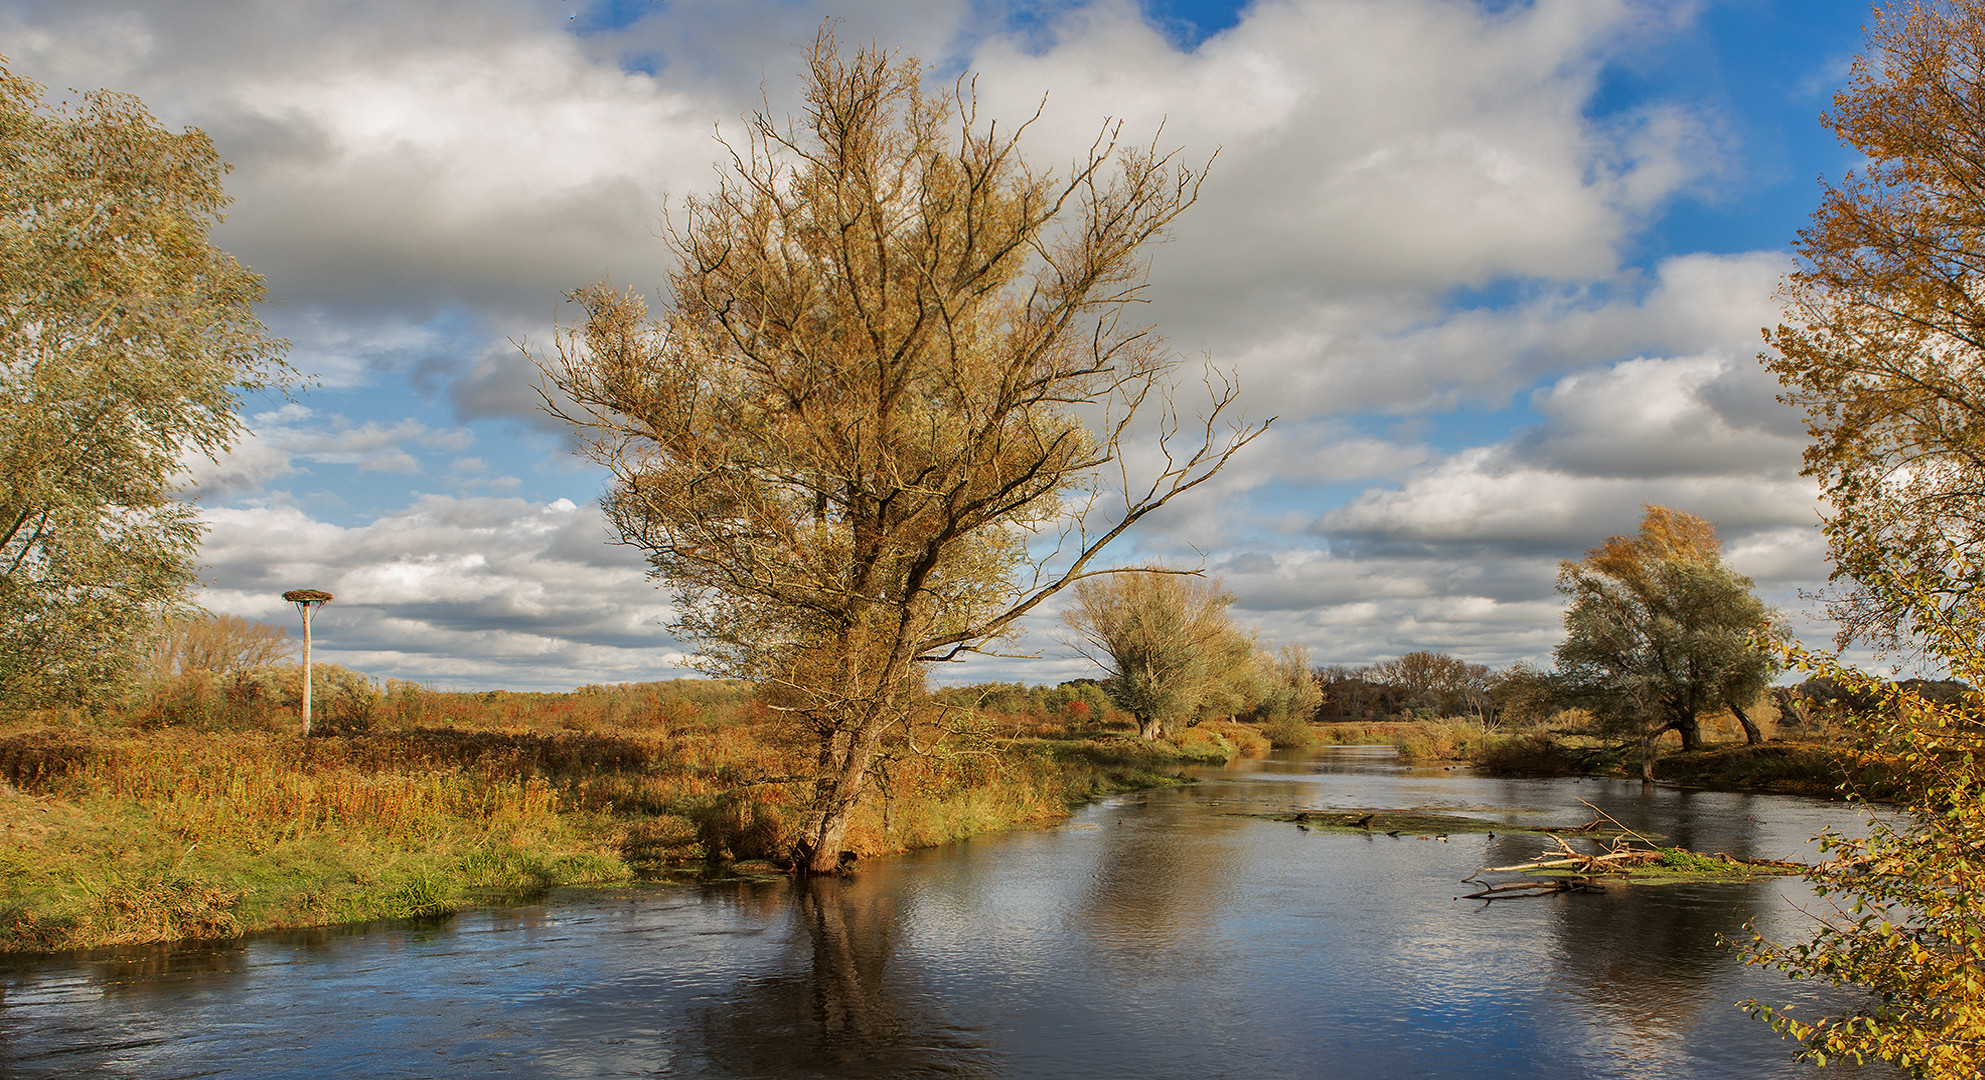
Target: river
{"points": [[1160, 934]]}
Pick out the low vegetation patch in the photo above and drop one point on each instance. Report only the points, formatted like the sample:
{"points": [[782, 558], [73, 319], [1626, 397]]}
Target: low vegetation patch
{"points": [[191, 814], [1425, 822], [1795, 767]]}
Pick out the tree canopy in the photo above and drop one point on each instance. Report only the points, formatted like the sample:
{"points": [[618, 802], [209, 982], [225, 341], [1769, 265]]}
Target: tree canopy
{"points": [[1884, 347], [1660, 632], [1883, 342], [125, 336], [1168, 645], [859, 405]]}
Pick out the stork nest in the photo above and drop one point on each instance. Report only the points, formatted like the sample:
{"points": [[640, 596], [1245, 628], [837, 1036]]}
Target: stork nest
{"points": [[307, 596]]}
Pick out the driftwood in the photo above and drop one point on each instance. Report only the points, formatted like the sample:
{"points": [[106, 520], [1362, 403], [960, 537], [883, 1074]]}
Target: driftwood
{"points": [[1582, 867]]}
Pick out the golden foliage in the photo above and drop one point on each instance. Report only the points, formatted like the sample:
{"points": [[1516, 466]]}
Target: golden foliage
{"points": [[1660, 633], [1167, 643], [1885, 317], [223, 644], [860, 401]]}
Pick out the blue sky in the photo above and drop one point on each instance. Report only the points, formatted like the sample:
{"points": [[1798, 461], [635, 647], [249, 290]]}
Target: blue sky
{"points": [[1497, 267]]}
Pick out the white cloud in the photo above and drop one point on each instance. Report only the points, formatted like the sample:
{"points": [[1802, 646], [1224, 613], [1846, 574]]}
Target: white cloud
{"points": [[1650, 418], [279, 439], [420, 184], [1481, 497], [476, 591]]}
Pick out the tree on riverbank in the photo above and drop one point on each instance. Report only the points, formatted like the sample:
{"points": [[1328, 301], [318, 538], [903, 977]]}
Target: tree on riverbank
{"points": [[858, 406], [1167, 643], [1903, 916], [1884, 347], [124, 338], [1660, 632], [1884, 339]]}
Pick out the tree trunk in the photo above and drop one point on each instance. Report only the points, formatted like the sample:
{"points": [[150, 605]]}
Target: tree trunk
{"points": [[1647, 741], [844, 764], [1752, 736], [1690, 729], [849, 1000], [1150, 727]]}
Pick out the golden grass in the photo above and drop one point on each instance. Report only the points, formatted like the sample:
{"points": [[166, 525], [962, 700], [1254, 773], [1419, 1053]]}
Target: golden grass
{"points": [[140, 828]]}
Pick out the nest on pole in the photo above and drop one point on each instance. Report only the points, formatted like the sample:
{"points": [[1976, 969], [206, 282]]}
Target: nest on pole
{"points": [[307, 596]]}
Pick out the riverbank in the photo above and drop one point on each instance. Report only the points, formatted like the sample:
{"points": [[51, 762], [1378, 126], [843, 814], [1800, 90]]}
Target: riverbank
{"points": [[1812, 767], [122, 836]]}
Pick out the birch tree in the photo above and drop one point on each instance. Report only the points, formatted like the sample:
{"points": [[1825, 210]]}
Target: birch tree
{"points": [[1883, 343]]}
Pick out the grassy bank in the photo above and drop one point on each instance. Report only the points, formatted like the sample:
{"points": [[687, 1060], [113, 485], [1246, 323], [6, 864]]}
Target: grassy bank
{"points": [[1791, 767], [1798, 766], [1418, 741], [120, 832]]}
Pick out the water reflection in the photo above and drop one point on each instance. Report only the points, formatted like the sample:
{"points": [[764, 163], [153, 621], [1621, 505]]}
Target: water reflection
{"points": [[844, 1010], [1645, 960], [1156, 935]]}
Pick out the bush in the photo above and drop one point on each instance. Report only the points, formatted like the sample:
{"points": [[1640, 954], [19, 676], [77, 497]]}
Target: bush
{"points": [[1245, 740], [1536, 754], [1288, 733], [1440, 740], [1203, 743]]}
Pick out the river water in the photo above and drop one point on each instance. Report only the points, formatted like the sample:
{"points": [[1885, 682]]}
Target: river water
{"points": [[1162, 934]]}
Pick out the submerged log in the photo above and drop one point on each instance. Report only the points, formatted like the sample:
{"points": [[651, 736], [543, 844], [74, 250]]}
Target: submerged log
{"points": [[1514, 890]]}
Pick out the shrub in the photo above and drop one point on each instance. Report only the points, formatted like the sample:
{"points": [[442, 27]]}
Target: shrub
{"points": [[1288, 733], [1245, 740]]}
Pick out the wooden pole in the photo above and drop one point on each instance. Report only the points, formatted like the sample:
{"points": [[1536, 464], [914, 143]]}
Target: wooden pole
{"points": [[307, 601], [307, 607]]}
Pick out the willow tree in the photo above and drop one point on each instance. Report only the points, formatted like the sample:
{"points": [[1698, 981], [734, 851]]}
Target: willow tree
{"points": [[1167, 643], [124, 338], [893, 357], [1660, 632]]}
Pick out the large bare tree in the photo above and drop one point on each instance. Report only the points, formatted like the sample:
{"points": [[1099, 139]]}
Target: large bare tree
{"points": [[892, 361]]}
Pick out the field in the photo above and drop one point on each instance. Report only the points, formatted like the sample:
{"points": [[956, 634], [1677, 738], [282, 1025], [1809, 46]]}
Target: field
{"points": [[197, 811]]}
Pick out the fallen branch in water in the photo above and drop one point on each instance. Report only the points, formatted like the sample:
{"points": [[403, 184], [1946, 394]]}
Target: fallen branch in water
{"points": [[1619, 861]]}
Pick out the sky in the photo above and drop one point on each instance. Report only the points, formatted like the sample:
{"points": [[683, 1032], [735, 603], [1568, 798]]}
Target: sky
{"points": [[1497, 269]]}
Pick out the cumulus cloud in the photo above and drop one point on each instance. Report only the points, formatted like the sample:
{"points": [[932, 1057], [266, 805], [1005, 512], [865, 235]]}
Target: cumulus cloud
{"points": [[1368, 150], [1652, 418], [475, 591], [279, 439], [1416, 208], [1466, 546]]}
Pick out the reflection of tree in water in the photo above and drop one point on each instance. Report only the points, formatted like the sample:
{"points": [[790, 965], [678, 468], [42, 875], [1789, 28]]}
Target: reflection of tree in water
{"points": [[842, 1011], [1646, 958], [67, 1031], [164, 971], [1156, 887]]}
